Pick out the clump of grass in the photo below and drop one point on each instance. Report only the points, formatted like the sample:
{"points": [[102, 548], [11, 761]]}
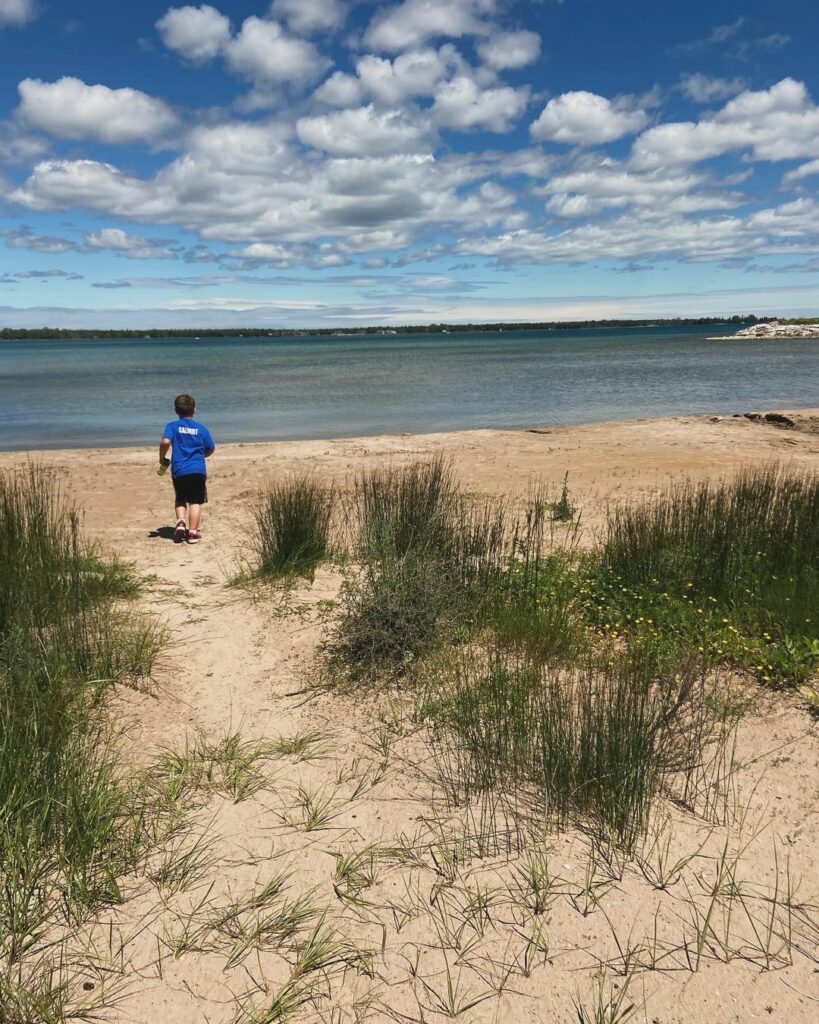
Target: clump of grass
{"points": [[291, 528], [71, 827], [596, 742], [410, 507], [427, 560]]}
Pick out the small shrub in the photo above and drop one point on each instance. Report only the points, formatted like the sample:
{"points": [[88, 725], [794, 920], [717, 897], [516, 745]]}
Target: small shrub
{"points": [[563, 509], [291, 528]]}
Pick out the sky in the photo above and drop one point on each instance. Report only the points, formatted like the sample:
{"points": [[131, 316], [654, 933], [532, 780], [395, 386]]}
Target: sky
{"points": [[340, 162]]}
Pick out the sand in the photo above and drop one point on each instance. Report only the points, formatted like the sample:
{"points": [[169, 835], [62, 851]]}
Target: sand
{"points": [[242, 664]]}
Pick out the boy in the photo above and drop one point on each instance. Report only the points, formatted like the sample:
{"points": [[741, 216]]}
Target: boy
{"points": [[192, 444]]}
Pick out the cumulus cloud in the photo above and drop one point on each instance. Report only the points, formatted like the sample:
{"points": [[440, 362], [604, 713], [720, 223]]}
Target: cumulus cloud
{"points": [[70, 109], [197, 33], [133, 246], [705, 89], [609, 184], [264, 52], [510, 49], [363, 131], [411, 23], [462, 104], [789, 228], [306, 16], [264, 252], [780, 123], [416, 73], [61, 184], [585, 119], [412, 74], [340, 90], [17, 12]]}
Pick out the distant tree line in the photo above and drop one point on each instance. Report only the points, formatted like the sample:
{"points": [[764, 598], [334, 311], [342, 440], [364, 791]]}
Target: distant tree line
{"points": [[48, 333]]}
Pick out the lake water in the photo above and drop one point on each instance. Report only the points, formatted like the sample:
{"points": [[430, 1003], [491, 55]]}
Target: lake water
{"points": [[62, 394]]}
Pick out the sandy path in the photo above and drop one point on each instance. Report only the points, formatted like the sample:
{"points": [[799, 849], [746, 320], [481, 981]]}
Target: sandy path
{"points": [[242, 665]]}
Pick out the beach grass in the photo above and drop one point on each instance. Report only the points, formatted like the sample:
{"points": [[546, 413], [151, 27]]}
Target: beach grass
{"points": [[291, 533], [425, 560], [71, 826], [596, 743]]}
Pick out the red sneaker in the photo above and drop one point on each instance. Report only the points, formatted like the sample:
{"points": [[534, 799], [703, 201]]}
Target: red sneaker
{"points": [[181, 532]]}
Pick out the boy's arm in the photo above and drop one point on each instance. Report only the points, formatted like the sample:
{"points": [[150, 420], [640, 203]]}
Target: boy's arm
{"points": [[210, 447], [164, 448]]}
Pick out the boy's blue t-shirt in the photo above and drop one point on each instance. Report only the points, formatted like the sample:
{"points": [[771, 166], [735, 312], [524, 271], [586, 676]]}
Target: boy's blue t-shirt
{"points": [[190, 441]]}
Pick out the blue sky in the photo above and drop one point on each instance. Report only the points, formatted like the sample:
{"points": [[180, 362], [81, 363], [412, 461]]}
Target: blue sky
{"points": [[326, 163]]}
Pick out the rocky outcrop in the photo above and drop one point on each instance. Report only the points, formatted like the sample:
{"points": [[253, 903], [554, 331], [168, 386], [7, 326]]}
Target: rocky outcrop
{"points": [[774, 331]]}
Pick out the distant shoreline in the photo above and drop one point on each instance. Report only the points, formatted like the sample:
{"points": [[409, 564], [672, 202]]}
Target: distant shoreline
{"points": [[150, 334]]}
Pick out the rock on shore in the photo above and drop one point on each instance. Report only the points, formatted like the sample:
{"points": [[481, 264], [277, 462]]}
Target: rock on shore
{"points": [[774, 330]]}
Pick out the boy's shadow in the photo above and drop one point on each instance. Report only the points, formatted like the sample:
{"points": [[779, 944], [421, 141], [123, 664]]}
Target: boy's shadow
{"points": [[163, 532]]}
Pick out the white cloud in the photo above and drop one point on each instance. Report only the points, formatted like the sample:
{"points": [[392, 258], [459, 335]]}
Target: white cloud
{"points": [[264, 52], [264, 252], [24, 238], [197, 33], [510, 49], [799, 173], [411, 23], [17, 12], [306, 16], [416, 73], [363, 131], [585, 119], [463, 104], [780, 123], [71, 109], [609, 185], [706, 89], [339, 90], [19, 146], [133, 246], [61, 184], [660, 232], [393, 81]]}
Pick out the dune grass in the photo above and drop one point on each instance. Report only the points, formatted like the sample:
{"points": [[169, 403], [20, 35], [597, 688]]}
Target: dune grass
{"points": [[292, 527], [426, 561], [291, 534], [70, 826], [590, 679], [597, 742]]}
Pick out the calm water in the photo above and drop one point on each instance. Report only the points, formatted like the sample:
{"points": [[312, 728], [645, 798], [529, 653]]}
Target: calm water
{"points": [[98, 393]]}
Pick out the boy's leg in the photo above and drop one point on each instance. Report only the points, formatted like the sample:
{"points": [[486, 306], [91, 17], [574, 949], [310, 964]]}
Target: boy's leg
{"points": [[181, 531], [195, 515]]}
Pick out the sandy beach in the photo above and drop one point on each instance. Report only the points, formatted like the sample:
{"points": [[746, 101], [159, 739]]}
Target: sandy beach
{"points": [[246, 663]]}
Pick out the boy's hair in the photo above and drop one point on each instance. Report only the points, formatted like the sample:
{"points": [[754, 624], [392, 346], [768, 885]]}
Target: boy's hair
{"points": [[184, 405]]}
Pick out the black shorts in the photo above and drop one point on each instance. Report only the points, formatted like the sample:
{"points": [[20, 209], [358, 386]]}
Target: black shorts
{"points": [[191, 489]]}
